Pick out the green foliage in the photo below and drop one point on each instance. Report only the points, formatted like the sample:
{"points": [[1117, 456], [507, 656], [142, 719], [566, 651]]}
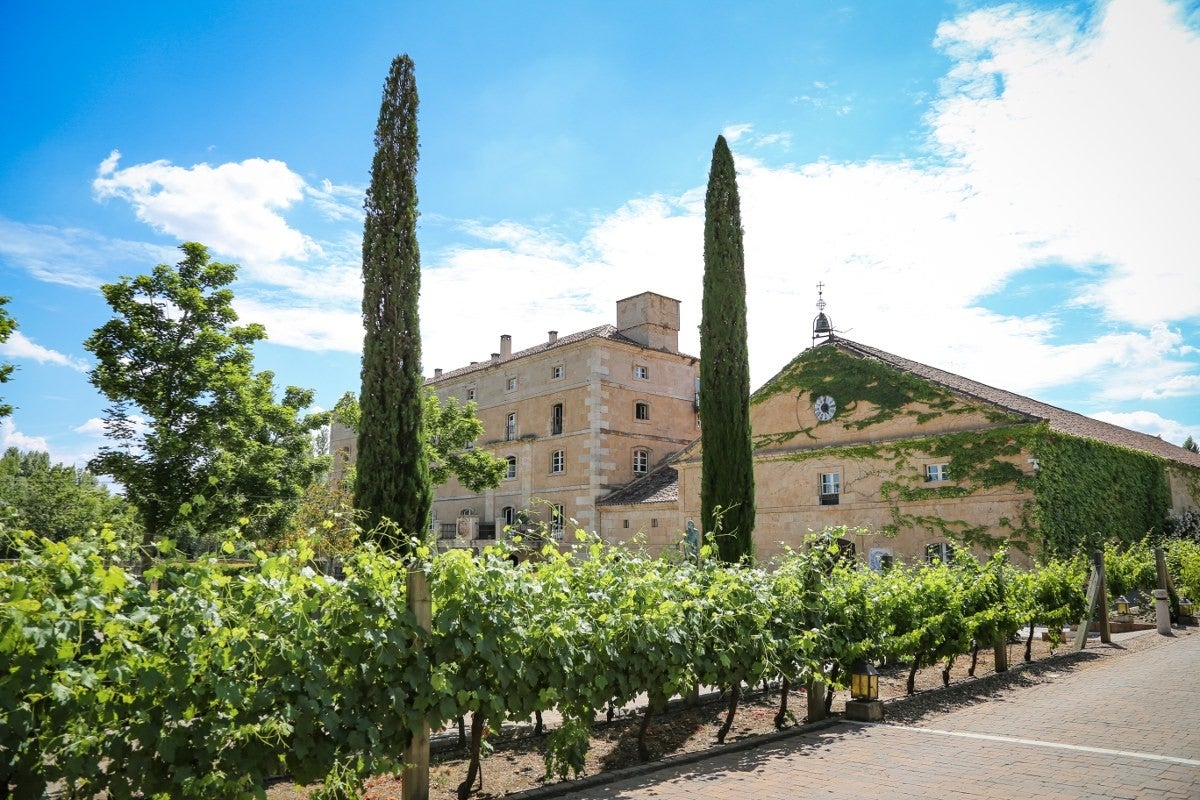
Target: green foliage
{"points": [[7, 326], [393, 481], [57, 501], [1188, 444], [727, 470], [220, 677], [856, 381], [197, 439], [1183, 563], [1089, 492], [1130, 568], [448, 431]]}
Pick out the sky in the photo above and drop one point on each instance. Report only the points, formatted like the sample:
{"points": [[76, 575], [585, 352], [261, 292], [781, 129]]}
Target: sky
{"points": [[1010, 192]]}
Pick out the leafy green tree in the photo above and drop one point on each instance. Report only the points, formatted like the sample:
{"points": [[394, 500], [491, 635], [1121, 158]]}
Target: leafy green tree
{"points": [[393, 480], [727, 473], [55, 500], [7, 326], [198, 441], [446, 438], [1188, 444]]}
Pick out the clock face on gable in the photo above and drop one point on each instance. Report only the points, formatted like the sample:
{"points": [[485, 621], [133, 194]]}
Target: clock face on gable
{"points": [[824, 407]]}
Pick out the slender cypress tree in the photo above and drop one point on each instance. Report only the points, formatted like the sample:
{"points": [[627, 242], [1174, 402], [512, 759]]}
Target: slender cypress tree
{"points": [[727, 475], [393, 477]]}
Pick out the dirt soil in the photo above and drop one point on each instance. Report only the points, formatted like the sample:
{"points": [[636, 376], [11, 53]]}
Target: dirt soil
{"points": [[515, 763]]}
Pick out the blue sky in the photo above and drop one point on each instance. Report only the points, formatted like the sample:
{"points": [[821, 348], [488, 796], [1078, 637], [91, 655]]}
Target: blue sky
{"points": [[1010, 192]]}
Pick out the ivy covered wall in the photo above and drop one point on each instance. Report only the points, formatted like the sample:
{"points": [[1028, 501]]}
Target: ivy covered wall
{"points": [[1089, 492], [889, 421]]}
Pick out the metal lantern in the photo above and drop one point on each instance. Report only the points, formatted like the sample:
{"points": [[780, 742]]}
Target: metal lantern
{"points": [[864, 681], [1122, 605], [1185, 607]]}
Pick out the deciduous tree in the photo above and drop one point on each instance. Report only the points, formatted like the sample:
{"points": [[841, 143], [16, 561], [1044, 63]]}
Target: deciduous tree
{"points": [[727, 472], [393, 475], [197, 439], [448, 431], [56, 500]]}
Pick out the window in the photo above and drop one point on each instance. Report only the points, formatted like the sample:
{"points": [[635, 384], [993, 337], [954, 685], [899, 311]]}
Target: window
{"points": [[641, 410], [641, 461], [510, 427], [556, 372], [941, 551], [558, 519], [654, 522], [936, 472], [510, 385], [641, 373], [831, 487], [470, 394], [558, 461], [507, 515], [625, 523], [512, 467], [556, 419]]}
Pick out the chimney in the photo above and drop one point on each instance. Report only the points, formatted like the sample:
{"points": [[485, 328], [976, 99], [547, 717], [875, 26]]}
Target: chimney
{"points": [[437, 372], [505, 347], [495, 358], [553, 337]]}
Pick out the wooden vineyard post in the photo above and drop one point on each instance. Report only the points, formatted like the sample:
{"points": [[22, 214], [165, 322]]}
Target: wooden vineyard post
{"points": [[415, 779], [816, 700], [1105, 633], [1096, 590]]}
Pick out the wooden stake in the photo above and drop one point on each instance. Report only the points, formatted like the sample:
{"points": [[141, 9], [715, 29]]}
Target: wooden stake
{"points": [[1105, 634], [1092, 590], [415, 779]]}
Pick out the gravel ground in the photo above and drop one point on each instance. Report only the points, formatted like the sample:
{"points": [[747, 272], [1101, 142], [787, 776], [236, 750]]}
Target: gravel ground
{"points": [[515, 764]]}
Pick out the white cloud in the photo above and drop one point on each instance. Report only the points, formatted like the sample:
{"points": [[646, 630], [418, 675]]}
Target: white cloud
{"points": [[11, 437], [337, 203], [1080, 139], [73, 257], [308, 327], [20, 346], [233, 208], [1148, 422], [93, 427]]}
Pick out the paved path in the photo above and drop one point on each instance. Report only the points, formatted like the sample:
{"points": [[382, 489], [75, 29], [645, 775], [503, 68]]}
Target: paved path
{"points": [[1125, 728]]}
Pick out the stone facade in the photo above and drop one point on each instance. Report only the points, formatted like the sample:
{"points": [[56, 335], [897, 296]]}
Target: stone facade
{"points": [[576, 417]]}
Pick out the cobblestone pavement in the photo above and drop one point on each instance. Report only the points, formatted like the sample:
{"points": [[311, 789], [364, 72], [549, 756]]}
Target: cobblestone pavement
{"points": [[1125, 728]]}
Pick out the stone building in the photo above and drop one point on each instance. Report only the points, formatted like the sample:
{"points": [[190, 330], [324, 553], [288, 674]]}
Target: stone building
{"points": [[575, 417], [925, 461]]}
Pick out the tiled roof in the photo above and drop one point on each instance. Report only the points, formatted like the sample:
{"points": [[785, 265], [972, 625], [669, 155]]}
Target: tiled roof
{"points": [[659, 486], [609, 332], [1059, 419]]}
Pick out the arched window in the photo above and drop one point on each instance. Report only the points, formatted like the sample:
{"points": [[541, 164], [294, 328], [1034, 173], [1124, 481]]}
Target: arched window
{"points": [[641, 461], [556, 419], [512, 467], [507, 515], [641, 410], [558, 461]]}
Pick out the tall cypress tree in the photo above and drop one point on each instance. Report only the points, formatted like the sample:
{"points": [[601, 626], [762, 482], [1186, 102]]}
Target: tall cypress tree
{"points": [[727, 475], [393, 478]]}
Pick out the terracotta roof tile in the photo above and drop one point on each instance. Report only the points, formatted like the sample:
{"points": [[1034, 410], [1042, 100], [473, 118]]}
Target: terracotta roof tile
{"points": [[658, 486], [1059, 419]]}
